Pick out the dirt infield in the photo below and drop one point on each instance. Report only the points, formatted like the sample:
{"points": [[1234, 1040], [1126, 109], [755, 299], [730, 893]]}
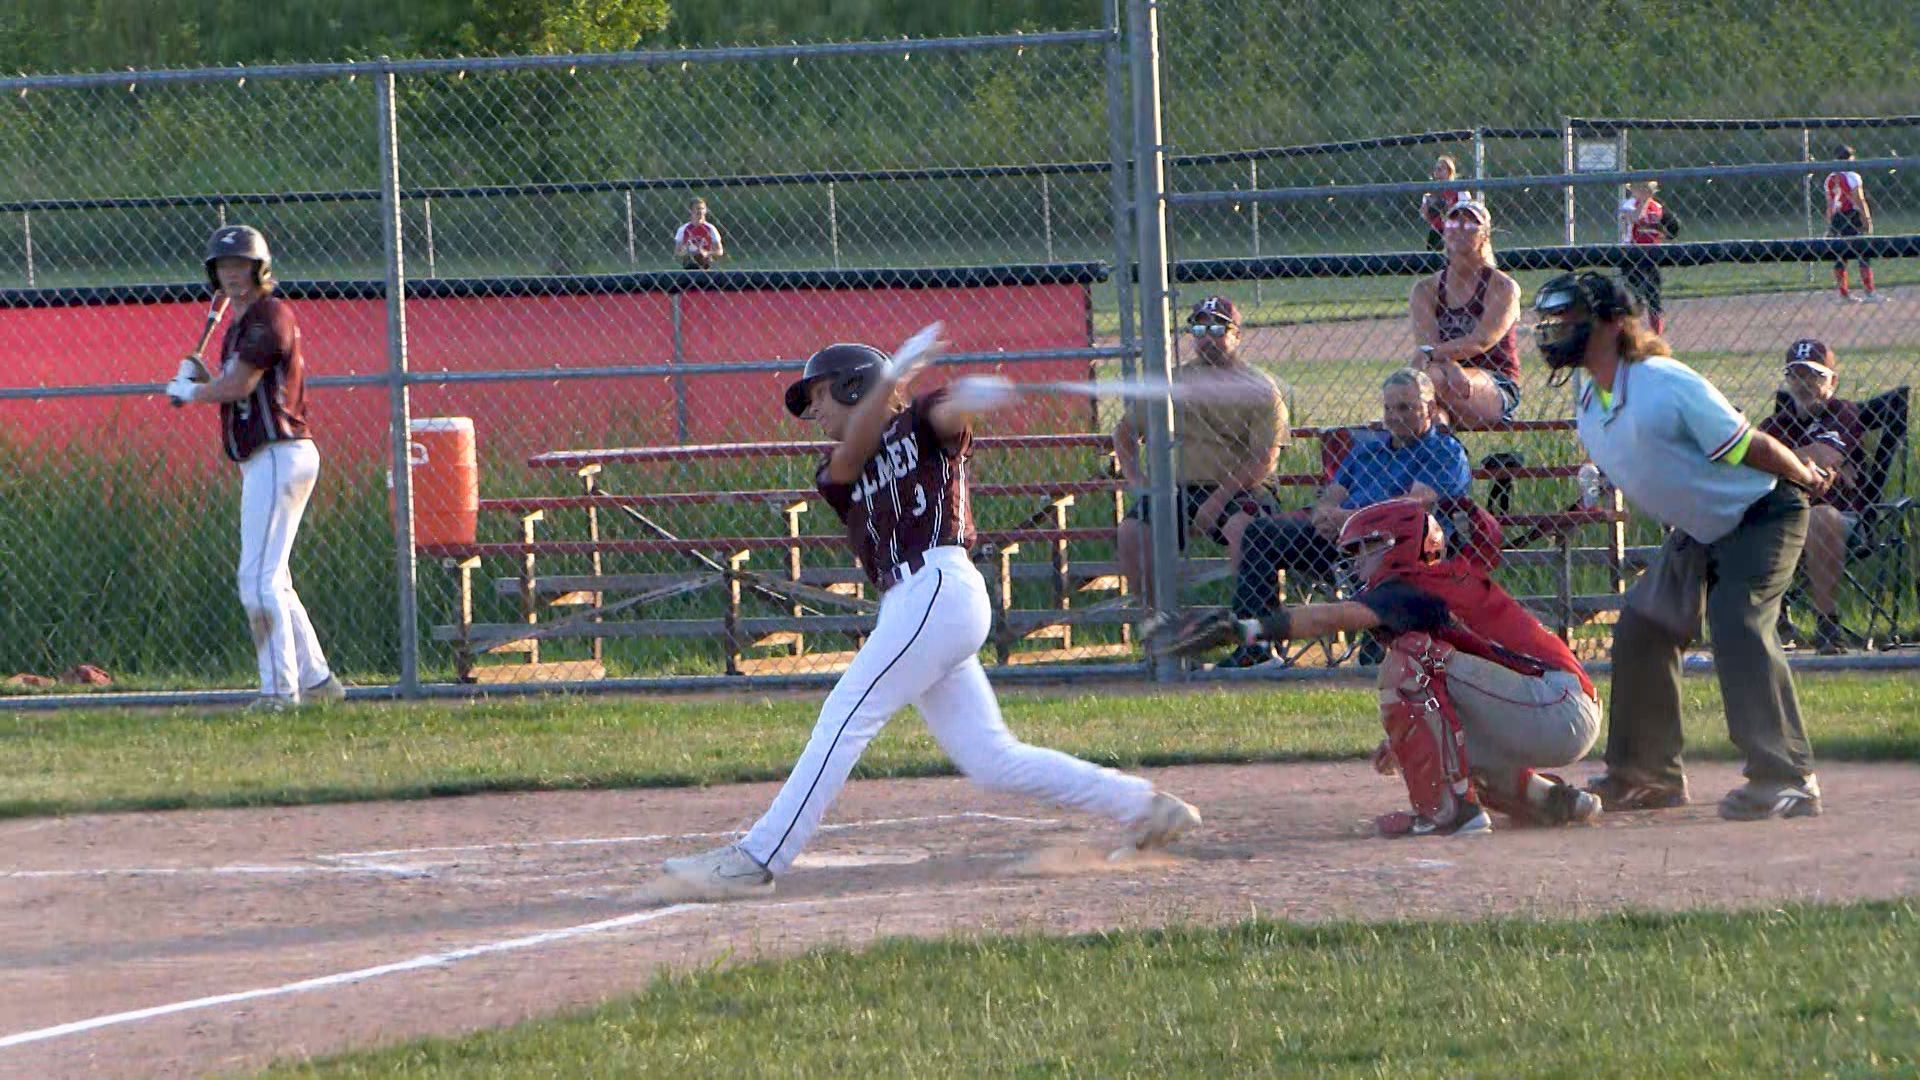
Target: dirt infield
{"points": [[321, 928]]}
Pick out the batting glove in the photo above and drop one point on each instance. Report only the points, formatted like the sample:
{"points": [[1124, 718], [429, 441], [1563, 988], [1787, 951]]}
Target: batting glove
{"points": [[192, 370], [182, 390], [981, 393], [915, 353]]}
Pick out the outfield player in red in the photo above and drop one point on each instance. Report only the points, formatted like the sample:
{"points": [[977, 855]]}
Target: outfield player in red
{"points": [[1433, 204], [261, 389], [696, 243], [1849, 215], [897, 476], [1475, 694], [1463, 320], [1643, 222]]}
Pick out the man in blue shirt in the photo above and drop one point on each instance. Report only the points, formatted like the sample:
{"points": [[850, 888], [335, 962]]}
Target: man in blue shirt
{"points": [[1412, 457]]}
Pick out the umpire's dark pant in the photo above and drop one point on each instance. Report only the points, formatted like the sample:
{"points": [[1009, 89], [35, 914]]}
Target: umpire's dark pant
{"points": [[1745, 575]]}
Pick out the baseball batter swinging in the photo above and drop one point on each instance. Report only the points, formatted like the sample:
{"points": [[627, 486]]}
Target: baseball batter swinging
{"points": [[261, 391], [897, 477], [1475, 694]]}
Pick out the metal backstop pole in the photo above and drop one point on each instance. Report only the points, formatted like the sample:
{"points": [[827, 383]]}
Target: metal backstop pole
{"points": [[1156, 350], [405, 578]]}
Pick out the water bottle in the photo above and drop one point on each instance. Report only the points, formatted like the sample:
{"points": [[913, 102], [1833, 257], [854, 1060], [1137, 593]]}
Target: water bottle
{"points": [[1589, 481]]}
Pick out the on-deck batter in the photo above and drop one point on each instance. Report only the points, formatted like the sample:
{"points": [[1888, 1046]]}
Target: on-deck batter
{"points": [[898, 479], [261, 389]]}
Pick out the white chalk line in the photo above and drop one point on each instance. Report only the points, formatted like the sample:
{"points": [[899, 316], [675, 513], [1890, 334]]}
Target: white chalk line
{"points": [[655, 838], [365, 862], [433, 960], [242, 869]]}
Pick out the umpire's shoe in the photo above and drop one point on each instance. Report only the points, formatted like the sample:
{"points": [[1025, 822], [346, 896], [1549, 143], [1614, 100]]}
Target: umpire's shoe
{"points": [[325, 692], [1758, 800], [1618, 792], [725, 873]]}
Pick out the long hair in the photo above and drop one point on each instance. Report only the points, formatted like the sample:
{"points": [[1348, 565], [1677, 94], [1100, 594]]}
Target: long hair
{"points": [[1638, 341]]}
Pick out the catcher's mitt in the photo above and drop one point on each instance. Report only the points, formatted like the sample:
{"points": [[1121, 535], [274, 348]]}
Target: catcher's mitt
{"points": [[1186, 633]]}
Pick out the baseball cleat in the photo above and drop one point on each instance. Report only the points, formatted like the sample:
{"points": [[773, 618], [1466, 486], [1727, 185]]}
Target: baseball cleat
{"points": [[326, 690], [1619, 793], [1471, 820], [268, 703], [1568, 805], [1758, 800], [725, 873], [1167, 819]]}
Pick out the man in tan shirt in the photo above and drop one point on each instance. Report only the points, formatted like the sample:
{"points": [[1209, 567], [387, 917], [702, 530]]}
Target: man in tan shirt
{"points": [[1229, 438]]}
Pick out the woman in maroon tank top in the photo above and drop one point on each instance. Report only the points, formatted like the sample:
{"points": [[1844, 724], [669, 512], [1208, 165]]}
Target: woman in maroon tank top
{"points": [[1463, 319]]}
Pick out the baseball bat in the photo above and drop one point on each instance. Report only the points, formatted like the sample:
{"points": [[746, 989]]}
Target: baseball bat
{"points": [[215, 311]]}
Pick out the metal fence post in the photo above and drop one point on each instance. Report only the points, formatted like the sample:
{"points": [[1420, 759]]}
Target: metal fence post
{"points": [[676, 313], [399, 432], [833, 225], [1479, 153], [1046, 213], [1566, 167], [1253, 184], [1806, 188], [1156, 350], [427, 211], [630, 258], [1120, 183], [26, 235]]}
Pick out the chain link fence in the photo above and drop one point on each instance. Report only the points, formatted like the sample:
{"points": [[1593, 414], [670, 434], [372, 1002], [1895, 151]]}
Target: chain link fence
{"points": [[515, 280]]}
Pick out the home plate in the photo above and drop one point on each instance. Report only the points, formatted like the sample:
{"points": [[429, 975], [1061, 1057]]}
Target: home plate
{"points": [[1069, 860]]}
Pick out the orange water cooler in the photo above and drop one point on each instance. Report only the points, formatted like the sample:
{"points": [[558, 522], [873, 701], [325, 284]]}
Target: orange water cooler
{"points": [[446, 480]]}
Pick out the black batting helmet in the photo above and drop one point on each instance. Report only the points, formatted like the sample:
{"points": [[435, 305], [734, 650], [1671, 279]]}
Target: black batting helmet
{"points": [[853, 369], [241, 242]]}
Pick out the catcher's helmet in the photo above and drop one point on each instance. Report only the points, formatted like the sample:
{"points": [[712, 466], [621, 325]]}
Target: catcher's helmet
{"points": [[853, 369], [242, 242], [1592, 296], [1412, 535]]}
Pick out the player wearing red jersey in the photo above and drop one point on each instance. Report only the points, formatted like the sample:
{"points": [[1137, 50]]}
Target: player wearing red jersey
{"points": [[1475, 694], [1849, 215]]}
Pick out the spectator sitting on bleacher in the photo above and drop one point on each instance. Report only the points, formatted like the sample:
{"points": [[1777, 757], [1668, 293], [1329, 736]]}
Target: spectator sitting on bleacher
{"points": [[1827, 431], [1229, 441], [1414, 457], [1463, 320]]}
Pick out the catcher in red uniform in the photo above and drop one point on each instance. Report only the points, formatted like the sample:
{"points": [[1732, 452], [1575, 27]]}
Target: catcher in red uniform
{"points": [[1475, 694]]}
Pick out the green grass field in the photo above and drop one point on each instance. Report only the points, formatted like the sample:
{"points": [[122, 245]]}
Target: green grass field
{"points": [[116, 759], [1794, 991]]}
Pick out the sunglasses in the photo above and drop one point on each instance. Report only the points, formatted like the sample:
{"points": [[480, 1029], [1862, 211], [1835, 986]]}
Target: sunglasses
{"points": [[1212, 329]]}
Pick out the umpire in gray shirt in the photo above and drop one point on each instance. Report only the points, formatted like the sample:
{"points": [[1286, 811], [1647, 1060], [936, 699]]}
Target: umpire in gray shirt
{"points": [[1683, 455]]}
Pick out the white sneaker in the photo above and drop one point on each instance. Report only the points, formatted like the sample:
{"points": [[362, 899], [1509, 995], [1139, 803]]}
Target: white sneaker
{"points": [[268, 703], [1856, 299], [327, 690], [1875, 298], [725, 873], [1167, 819]]}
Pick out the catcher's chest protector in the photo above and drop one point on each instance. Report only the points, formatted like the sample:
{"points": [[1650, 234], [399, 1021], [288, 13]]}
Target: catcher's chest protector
{"points": [[1423, 728]]}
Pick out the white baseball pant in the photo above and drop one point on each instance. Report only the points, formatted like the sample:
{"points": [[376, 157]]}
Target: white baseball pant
{"points": [[924, 652], [275, 484], [1514, 721]]}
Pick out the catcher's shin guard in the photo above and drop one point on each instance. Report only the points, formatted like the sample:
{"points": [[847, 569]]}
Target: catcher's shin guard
{"points": [[1423, 728]]}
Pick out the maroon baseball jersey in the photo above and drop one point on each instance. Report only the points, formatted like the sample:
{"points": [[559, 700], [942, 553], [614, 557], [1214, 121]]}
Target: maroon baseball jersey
{"points": [[911, 495], [265, 337], [1458, 322], [1838, 426]]}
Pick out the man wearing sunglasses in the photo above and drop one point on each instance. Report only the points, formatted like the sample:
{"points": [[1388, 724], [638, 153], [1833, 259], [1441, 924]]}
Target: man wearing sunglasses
{"points": [[1827, 430], [1231, 430], [1475, 695]]}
